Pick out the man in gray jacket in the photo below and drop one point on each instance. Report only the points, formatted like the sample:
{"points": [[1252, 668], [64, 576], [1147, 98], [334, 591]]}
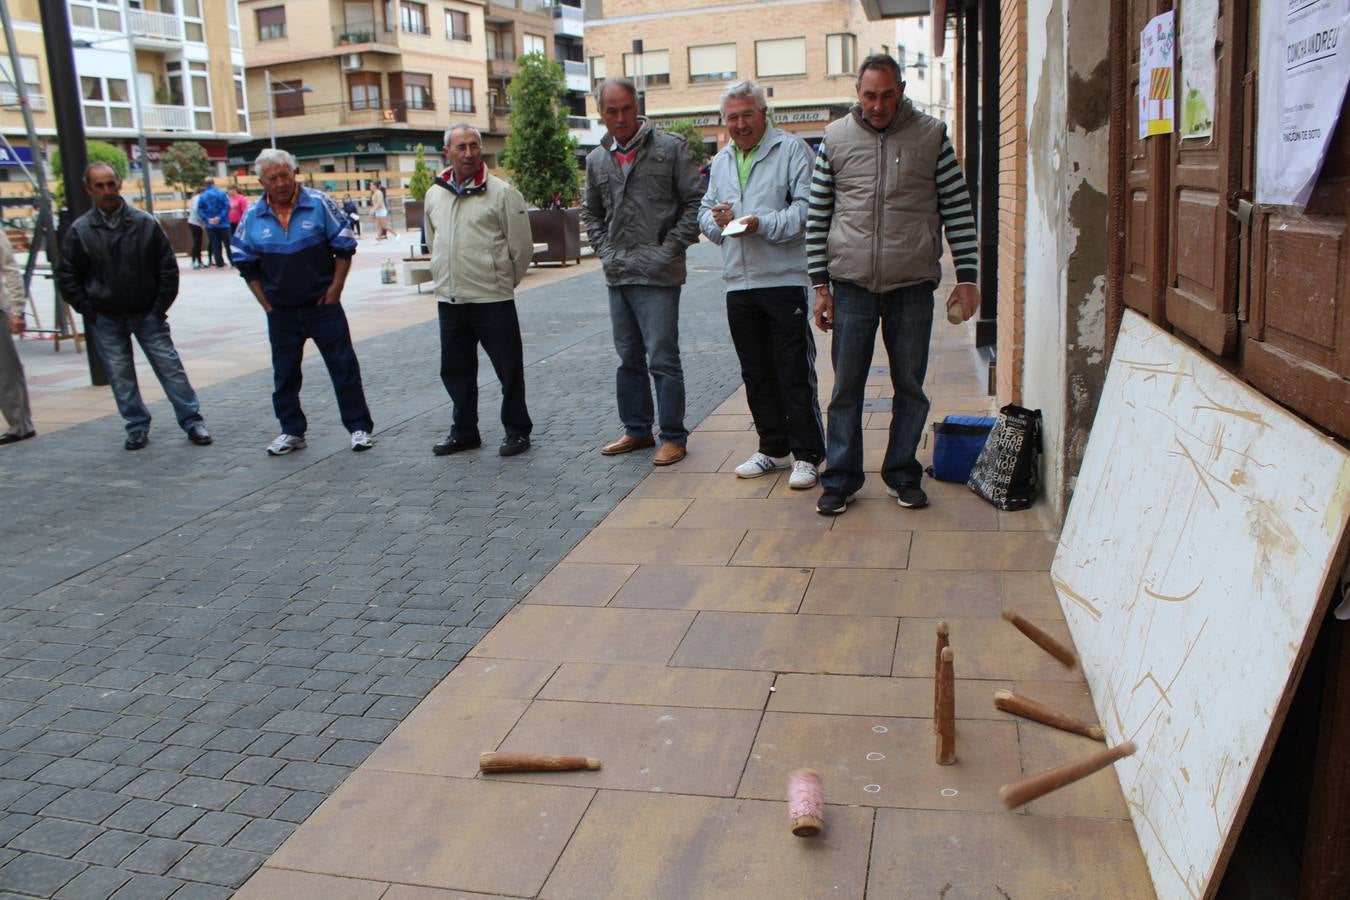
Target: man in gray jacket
{"points": [[761, 181], [479, 235], [886, 182], [641, 214]]}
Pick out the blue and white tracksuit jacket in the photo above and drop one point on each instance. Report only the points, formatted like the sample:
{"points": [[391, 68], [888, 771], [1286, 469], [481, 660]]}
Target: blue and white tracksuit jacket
{"points": [[294, 264]]}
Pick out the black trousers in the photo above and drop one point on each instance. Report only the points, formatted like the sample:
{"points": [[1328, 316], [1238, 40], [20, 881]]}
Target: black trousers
{"points": [[494, 325], [771, 329], [197, 233]]}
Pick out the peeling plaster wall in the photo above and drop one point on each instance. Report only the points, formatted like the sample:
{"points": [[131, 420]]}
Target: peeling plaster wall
{"points": [[1068, 99]]}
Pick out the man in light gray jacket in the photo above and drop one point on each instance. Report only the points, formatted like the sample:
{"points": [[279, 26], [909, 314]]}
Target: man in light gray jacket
{"points": [[761, 182], [641, 214], [479, 235]]}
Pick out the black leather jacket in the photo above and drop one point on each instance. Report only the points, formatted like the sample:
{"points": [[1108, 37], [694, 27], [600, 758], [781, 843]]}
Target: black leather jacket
{"points": [[122, 271]]}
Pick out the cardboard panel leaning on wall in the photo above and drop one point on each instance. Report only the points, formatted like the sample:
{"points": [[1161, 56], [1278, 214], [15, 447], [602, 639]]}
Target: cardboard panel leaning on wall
{"points": [[1193, 570]]}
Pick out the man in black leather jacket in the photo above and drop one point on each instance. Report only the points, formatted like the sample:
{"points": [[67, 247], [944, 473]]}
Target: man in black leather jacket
{"points": [[117, 268]]}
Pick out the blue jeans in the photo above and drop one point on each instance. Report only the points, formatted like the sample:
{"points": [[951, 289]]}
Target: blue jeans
{"points": [[646, 322], [287, 329], [218, 237], [906, 319], [112, 339]]}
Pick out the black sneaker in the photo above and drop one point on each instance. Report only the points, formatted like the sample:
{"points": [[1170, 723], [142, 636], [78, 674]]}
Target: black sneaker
{"points": [[832, 504], [136, 440], [910, 496], [199, 435], [513, 444], [452, 444]]}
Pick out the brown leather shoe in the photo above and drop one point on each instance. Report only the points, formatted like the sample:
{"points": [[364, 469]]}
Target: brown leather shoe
{"points": [[668, 454], [628, 444]]}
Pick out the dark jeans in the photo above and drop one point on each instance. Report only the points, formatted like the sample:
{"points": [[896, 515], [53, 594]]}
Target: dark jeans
{"points": [[771, 329], [219, 237], [646, 322], [906, 318], [288, 329], [196, 243], [494, 325], [112, 339]]}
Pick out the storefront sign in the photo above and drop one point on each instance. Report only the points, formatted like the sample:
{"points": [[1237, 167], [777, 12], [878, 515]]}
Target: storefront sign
{"points": [[216, 151], [1305, 65], [12, 157]]}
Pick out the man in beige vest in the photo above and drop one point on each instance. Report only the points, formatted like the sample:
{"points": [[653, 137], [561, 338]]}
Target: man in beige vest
{"points": [[886, 182]]}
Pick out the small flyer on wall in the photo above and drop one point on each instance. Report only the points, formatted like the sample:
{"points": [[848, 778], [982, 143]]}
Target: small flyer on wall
{"points": [[1305, 65], [1157, 55], [1198, 21]]}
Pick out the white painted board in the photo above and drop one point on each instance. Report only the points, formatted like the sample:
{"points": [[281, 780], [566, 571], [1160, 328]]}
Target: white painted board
{"points": [[1191, 569]]}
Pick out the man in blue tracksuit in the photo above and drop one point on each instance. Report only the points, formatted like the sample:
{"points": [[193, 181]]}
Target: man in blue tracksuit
{"points": [[294, 248], [214, 210], [761, 181]]}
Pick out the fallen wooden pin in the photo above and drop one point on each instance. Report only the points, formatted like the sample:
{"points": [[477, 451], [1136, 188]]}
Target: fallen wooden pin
{"points": [[534, 762], [806, 803], [945, 753], [942, 643], [1030, 709], [1060, 652], [1022, 792]]}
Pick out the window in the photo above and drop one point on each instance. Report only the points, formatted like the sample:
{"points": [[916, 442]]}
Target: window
{"points": [[713, 62], [460, 98], [655, 67], [417, 91], [194, 25], [232, 14], [103, 15], [240, 100], [412, 17], [900, 56], [288, 98], [28, 69], [786, 56], [921, 67], [535, 44], [106, 102], [841, 51], [201, 96], [597, 70], [501, 45], [457, 25], [271, 23], [364, 90]]}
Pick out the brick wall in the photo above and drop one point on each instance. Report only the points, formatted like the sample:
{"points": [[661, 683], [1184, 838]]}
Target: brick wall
{"points": [[1012, 201]]}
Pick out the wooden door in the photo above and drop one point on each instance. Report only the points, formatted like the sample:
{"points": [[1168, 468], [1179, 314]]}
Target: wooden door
{"points": [[1146, 179], [1202, 265]]}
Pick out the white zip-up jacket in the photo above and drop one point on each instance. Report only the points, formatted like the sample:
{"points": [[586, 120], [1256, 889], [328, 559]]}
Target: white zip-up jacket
{"points": [[481, 244], [777, 190]]}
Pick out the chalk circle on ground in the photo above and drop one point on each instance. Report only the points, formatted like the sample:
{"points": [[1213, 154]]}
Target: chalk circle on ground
{"points": [[872, 788], [949, 792], [876, 757], [880, 729]]}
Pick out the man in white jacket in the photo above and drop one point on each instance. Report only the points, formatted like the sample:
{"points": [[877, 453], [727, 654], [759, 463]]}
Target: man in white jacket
{"points": [[760, 181], [481, 246]]}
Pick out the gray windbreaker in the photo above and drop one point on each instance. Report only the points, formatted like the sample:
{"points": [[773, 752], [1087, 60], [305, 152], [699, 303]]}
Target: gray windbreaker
{"points": [[777, 191], [641, 224]]}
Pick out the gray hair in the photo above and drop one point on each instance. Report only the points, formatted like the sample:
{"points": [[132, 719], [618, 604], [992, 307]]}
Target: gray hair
{"points": [[272, 156], [625, 83], [209, 181], [458, 126], [743, 88], [884, 63]]}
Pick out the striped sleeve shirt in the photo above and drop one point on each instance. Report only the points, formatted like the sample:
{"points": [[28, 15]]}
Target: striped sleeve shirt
{"points": [[953, 206]]}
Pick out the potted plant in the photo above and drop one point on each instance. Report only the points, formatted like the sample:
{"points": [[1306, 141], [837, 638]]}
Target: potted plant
{"points": [[541, 155]]}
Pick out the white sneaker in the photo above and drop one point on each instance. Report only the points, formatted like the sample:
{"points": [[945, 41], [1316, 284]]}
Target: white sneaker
{"points": [[760, 464], [361, 441], [285, 443], [803, 475]]}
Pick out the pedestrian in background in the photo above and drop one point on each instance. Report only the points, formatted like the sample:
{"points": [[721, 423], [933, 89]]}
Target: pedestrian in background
{"points": [[195, 226], [214, 211], [118, 267], [294, 249], [380, 205], [352, 213], [13, 388], [238, 203]]}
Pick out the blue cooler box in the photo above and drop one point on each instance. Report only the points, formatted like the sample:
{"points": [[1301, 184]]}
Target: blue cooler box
{"points": [[957, 443]]}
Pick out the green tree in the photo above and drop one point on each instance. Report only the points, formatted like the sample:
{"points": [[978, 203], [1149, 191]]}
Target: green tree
{"points": [[541, 153], [97, 151], [421, 179], [185, 165], [685, 129]]}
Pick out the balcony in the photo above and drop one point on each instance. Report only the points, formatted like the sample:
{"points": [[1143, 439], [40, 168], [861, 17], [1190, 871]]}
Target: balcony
{"points": [[375, 113], [501, 61], [156, 28], [588, 132], [9, 99], [568, 20], [354, 34], [576, 76], [497, 119], [166, 118]]}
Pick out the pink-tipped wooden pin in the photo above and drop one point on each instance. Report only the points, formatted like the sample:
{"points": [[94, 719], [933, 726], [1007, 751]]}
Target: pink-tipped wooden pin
{"points": [[806, 803], [1030, 709], [1060, 652], [1022, 792]]}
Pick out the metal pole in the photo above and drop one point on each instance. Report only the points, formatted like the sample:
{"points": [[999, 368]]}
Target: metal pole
{"points": [[68, 113], [140, 112], [267, 91], [641, 78], [986, 329]]}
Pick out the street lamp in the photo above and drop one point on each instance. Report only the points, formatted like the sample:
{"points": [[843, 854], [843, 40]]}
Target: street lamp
{"points": [[271, 126]]}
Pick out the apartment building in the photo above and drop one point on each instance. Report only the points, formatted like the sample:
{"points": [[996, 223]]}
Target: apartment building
{"points": [[185, 57], [805, 52], [929, 80]]}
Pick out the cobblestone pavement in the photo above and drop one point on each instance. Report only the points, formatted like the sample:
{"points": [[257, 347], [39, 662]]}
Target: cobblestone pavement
{"points": [[199, 644]]}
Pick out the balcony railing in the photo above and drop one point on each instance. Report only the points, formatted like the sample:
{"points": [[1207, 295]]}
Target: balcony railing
{"points": [[375, 112], [568, 20], [166, 118], [156, 26], [363, 33], [580, 122], [9, 99]]}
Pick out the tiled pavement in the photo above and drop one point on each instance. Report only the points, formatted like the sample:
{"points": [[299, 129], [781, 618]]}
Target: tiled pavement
{"points": [[709, 637], [197, 645]]}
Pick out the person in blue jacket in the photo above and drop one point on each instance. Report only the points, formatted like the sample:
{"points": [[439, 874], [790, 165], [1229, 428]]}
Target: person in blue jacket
{"points": [[214, 210], [294, 248]]}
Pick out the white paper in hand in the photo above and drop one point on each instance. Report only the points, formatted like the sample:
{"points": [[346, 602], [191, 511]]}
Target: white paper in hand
{"points": [[734, 228]]}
